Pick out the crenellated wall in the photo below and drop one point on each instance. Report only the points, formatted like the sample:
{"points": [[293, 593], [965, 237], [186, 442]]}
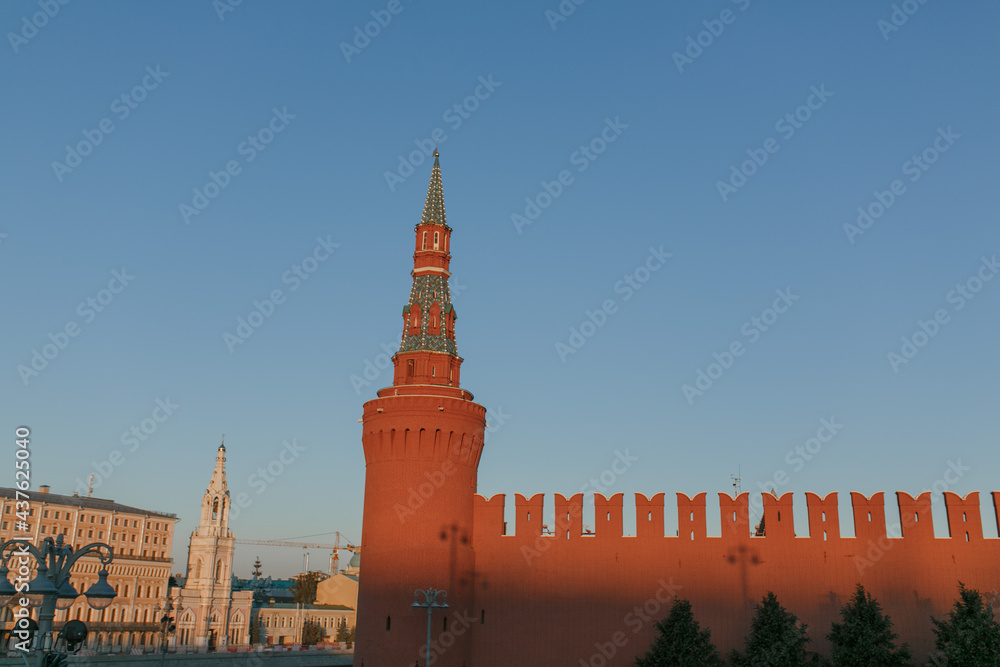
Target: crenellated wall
{"points": [[594, 597]]}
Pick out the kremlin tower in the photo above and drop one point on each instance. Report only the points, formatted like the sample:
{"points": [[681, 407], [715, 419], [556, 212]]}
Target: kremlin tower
{"points": [[422, 439]]}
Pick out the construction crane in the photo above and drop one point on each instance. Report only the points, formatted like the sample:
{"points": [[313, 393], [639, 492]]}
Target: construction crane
{"points": [[334, 549]]}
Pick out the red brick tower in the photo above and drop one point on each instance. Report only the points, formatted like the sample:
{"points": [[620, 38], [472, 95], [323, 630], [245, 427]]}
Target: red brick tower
{"points": [[423, 437]]}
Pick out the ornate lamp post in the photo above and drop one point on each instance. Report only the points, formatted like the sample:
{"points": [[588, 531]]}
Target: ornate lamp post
{"points": [[431, 603], [51, 588]]}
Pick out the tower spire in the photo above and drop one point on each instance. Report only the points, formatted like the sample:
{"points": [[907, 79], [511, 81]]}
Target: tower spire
{"points": [[427, 351], [215, 503], [434, 205]]}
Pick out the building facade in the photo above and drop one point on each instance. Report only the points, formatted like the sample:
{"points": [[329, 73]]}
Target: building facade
{"points": [[140, 573], [283, 621], [527, 594]]}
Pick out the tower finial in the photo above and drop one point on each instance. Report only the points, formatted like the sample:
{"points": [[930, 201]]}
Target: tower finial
{"points": [[223, 445], [434, 205]]}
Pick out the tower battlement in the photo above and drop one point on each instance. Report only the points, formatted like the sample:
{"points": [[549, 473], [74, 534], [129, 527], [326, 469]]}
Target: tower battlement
{"points": [[964, 517]]}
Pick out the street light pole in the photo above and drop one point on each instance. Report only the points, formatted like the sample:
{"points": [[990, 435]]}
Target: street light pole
{"points": [[167, 625], [51, 588], [431, 603]]}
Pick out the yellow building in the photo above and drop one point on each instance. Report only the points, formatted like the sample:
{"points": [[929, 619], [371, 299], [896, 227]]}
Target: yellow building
{"points": [[283, 621], [140, 573], [335, 607]]}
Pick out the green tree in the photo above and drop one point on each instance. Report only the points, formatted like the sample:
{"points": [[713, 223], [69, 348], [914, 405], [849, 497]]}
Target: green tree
{"points": [[258, 635], [304, 588], [776, 639], [345, 635], [312, 632], [969, 636], [865, 636], [681, 642]]}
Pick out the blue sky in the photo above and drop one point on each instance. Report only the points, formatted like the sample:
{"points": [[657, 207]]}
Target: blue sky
{"points": [[309, 118]]}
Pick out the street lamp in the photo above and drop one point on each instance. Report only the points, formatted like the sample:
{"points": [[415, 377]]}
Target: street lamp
{"points": [[100, 595], [40, 587], [67, 596], [431, 603], [51, 588]]}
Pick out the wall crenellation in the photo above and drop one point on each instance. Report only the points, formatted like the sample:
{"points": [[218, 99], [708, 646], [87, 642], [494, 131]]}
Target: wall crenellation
{"points": [[964, 517]]}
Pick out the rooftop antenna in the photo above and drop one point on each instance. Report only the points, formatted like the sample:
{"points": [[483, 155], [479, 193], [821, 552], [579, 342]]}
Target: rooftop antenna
{"points": [[90, 485], [737, 478]]}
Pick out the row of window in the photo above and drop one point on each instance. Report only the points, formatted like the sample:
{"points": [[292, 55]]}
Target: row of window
{"points": [[154, 525], [100, 536], [326, 622], [145, 553], [138, 591], [437, 239], [116, 569]]}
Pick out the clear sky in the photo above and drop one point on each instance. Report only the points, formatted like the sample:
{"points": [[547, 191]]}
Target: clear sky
{"points": [[174, 162]]}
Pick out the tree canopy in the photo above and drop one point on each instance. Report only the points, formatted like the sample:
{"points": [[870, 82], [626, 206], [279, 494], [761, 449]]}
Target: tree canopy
{"points": [[681, 642], [864, 636], [969, 635], [776, 639], [304, 588]]}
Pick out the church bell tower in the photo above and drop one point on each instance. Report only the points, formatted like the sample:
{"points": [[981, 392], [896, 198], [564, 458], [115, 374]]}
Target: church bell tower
{"points": [[422, 440], [210, 560]]}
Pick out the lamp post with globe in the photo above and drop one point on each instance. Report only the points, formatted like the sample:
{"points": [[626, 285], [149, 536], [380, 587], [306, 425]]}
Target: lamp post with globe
{"points": [[430, 602], [51, 588]]}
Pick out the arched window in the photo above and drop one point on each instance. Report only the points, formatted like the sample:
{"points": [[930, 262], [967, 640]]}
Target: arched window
{"points": [[415, 317], [423, 245], [196, 570], [215, 509], [436, 237], [434, 320], [218, 571]]}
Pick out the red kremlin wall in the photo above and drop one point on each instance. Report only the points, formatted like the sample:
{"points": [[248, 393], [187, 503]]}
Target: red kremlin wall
{"points": [[575, 599]]}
